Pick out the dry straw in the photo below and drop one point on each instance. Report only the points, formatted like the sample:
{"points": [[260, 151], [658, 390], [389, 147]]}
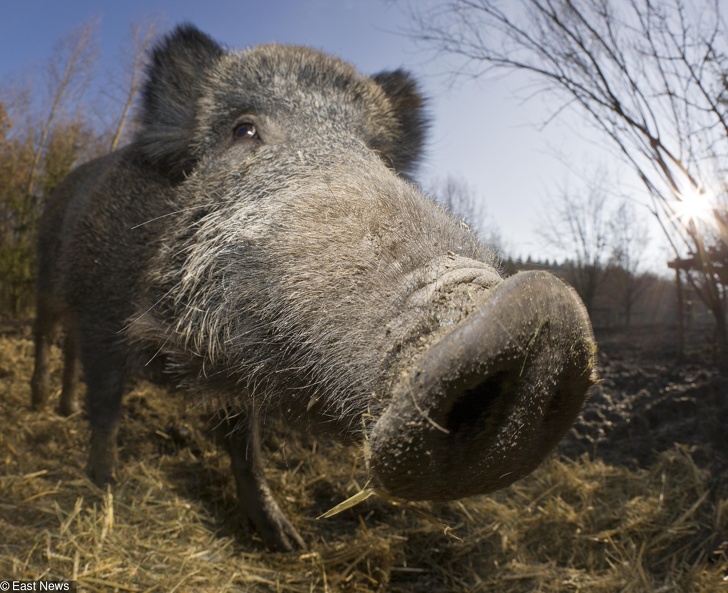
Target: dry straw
{"points": [[169, 524]]}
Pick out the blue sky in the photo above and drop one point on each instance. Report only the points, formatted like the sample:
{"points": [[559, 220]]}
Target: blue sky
{"points": [[481, 130]]}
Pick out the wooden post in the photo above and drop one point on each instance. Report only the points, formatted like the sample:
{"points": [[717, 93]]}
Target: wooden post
{"points": [[680, 314]]}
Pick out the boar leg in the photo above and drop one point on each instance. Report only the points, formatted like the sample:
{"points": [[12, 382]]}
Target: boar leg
{"points": [[104, 368], [45, 322], [255, 499], [69, 401], [47, 318]]}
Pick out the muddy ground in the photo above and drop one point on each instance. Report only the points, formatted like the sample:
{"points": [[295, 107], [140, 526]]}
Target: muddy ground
{"points": [[648, 400]]}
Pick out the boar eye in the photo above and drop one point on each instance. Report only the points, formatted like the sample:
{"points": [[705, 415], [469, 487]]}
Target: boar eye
{"points": [[244, 130]]}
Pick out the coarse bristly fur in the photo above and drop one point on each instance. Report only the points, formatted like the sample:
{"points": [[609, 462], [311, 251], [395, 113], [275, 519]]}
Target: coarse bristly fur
{"points": [[288, 259], [261, 243], [264, 268]]}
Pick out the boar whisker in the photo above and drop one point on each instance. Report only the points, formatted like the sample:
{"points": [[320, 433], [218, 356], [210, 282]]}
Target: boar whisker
{"points": [[180, 211], [133, 321], [157, 352]]}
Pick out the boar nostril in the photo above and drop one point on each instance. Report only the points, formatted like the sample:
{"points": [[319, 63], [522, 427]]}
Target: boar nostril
{"points": [[481, 406]]}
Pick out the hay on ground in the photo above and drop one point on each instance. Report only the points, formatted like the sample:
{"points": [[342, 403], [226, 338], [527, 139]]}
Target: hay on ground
{"points": [[170, 524]]}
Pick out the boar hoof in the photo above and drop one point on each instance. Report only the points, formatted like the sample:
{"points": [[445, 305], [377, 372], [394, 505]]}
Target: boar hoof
{"points": [[270, 522], [68, 406], [40, 387], [241, 437], [101, 476], [38, 394], [101, 464]]}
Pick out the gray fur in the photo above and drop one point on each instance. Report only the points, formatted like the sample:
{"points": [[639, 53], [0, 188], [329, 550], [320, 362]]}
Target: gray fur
{"points": [[295, 270]]}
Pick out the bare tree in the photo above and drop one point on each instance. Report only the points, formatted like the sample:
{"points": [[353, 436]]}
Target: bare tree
{"points": [[462, 200], [650, 76], [142, 37], [46, 130], [69, 74], [42, 138], [576, 223], [629, 237]]}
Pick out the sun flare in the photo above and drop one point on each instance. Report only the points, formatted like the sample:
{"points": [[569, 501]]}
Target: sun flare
{"points": [[694, 204]]}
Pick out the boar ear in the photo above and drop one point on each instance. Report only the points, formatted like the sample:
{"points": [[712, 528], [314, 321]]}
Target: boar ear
{"points": [[408, 105], [169, 100]]}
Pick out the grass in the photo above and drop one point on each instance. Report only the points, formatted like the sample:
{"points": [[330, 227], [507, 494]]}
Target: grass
{"points": [[170, 525]]}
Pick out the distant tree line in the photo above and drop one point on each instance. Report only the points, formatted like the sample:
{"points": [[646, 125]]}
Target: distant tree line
{"points": [[621, 298], [602, 245], [51, 121]]}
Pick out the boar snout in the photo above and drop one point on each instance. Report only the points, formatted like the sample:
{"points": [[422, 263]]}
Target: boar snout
{"points": [[485, 404]]}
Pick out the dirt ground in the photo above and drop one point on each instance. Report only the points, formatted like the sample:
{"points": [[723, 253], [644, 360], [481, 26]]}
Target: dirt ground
{"points": [[634, 500], [647, 401]]}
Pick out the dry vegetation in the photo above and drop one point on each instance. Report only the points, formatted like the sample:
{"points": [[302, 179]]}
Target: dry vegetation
{"points": [[170, 524]]}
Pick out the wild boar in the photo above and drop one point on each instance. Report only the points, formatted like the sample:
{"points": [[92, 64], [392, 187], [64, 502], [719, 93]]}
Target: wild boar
{"points": [[261, 237]]}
